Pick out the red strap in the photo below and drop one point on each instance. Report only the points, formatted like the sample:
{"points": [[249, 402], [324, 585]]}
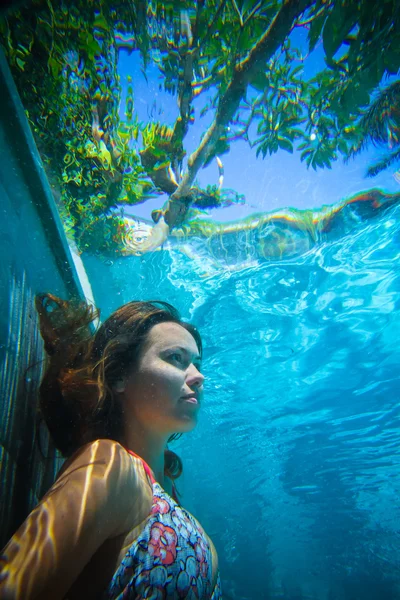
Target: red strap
{"points": [[145, 465], [150, 474]]}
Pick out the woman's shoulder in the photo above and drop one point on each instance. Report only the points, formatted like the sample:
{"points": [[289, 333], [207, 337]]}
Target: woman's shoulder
{"points": [[98, 497], [102, 454], [108, 468], [104, 466]]}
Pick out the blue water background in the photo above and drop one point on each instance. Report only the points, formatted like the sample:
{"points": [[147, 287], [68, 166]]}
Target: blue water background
{"points": [[294, 469]]}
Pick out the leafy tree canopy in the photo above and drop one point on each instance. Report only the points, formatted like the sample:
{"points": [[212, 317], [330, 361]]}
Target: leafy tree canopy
{"points": [[239, 53]]}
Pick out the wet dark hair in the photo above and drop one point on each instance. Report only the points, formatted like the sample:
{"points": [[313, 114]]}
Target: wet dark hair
{"points": [[76, 393]]}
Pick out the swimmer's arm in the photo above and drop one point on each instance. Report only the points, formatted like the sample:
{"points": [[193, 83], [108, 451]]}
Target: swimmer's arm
{"points": [[90, 502]]}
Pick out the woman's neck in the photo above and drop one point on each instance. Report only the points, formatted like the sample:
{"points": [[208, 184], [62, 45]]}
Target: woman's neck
{"points": [[150, 448]]}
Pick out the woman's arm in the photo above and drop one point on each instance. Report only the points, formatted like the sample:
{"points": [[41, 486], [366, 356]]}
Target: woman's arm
{"points": [[92, 500]]}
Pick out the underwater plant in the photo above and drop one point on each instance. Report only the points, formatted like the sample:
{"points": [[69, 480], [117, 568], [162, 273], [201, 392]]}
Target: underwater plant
{"points": [[240, 54]]}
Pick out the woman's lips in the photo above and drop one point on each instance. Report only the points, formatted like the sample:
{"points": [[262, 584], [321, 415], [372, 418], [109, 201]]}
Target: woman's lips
{"points": [[190, 399]]}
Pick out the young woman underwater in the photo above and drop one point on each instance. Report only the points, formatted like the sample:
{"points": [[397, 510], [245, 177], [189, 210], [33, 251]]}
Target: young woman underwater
{"points": [[112, 526]]}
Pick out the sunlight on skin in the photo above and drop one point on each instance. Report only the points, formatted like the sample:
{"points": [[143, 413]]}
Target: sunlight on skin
{"points": [[87, 485], [26, 552], [101, 493]]}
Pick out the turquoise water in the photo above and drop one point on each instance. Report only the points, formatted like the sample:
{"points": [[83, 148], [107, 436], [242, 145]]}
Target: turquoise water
{"points": [[294, 469]]}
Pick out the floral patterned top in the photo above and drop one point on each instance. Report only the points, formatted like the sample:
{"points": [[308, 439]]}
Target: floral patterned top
{"points": [[170, 559]]}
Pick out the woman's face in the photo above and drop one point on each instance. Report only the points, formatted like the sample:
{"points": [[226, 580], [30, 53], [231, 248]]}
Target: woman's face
{"points": [[165, 390]]}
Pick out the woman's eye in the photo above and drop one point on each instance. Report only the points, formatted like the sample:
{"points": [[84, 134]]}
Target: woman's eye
{"points": [[176, 357]]}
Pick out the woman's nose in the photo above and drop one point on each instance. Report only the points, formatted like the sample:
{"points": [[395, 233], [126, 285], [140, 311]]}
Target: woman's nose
{"points": [[194, 377]]}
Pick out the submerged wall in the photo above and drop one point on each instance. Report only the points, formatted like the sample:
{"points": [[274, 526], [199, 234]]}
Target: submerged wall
{"points": [[35, 257]]}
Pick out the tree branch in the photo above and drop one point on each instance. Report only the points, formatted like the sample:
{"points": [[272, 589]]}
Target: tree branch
{"points": [[255, 9], [278, 30], [185, 93], [229, 102], [311, 19], [235, 6], [210, 28], [200, 6]]}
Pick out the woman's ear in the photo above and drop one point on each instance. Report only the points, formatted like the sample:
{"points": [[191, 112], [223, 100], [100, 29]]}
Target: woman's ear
{"points": [[119, 386]]}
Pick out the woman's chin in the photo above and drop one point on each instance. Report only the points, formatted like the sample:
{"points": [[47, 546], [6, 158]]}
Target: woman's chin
{"points": [[186, 425]]}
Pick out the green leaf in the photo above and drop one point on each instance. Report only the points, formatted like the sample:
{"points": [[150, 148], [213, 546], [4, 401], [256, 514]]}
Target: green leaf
{"points": [[20, 63], [353, 97], [360, 96], [340, 21], [305, 154], [204, 110], [259, 150], [54, 67], [296, 132], [285, 144], [298, 69], [342, 145], [315, 30], [392, 61]]}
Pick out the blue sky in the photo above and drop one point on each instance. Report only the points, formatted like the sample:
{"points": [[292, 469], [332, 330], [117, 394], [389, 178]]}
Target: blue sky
{"points": [[276, 182]]}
